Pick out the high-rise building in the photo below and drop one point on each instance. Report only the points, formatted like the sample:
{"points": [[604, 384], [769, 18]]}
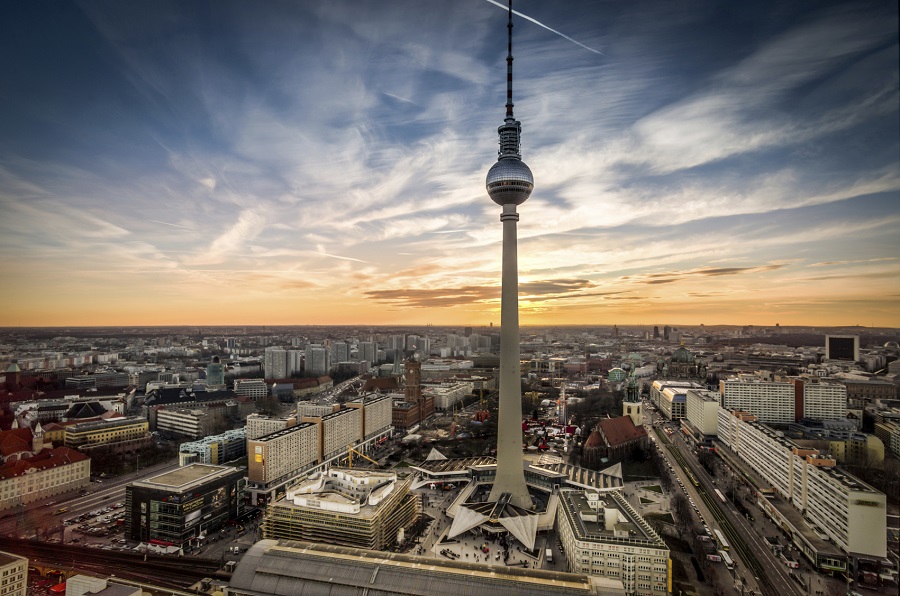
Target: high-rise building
{"points": [[316, 360], [215, 372], [340, 352], [368, 352], [275, 363], [842, 347], [509, 183]]}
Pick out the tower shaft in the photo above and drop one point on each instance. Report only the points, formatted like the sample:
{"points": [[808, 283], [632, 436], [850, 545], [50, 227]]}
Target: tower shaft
{"points": [[510, 471]]}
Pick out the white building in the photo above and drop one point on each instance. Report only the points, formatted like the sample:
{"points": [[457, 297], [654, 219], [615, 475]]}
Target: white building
{"points": [[702, 410], [13, 574], [603, 536], [782, 401], [823, 400], [260, 424], [275, 363], [316, 360], [448, 394], [253, 388], [850, 512], [277, 458], [337, 431], [376, 417], [770, 401], [48, 473]]}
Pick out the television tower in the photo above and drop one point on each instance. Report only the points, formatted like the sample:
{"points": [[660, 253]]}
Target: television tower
{"points": [[509, 184]]}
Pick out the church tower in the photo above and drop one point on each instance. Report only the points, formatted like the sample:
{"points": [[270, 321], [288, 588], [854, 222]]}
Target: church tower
{"points": [[632, 405]]}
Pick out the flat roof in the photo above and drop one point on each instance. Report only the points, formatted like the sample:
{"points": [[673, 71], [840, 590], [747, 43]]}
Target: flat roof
{"points": [[186, 476]]}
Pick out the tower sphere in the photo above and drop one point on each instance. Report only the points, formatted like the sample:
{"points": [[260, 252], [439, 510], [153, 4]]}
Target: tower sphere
{"points": [[509, 181]]}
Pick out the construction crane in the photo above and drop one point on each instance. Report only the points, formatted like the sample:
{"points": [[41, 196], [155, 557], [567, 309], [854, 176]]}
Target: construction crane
{"points": [[351, 452]]}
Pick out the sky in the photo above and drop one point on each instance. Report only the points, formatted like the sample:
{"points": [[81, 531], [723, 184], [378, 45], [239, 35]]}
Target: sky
{"points": [[323, 162]]}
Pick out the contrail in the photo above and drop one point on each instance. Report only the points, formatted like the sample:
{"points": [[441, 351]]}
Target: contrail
{"points": [[540, 24]]}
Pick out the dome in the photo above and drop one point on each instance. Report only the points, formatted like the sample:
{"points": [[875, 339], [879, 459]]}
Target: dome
{"points": [[682, 355], [892, 345], [616, 375], [509, 181]]}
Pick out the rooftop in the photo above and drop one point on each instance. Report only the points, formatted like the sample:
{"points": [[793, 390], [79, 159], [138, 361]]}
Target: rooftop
{"points": [[186, 477]]}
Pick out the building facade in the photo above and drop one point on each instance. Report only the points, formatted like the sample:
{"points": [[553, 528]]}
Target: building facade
{"points": [[182, 506], [13, 575], [850, 512], [48, 473], [358, 508], [604, 536], [217, 449]]}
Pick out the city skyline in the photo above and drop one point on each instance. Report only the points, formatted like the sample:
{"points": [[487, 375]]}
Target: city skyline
{"points": [[323, 163]]}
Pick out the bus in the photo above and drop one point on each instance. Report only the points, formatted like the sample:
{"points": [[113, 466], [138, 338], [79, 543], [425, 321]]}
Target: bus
{"points": [[720, 495], [721, 539], [729, 564]]}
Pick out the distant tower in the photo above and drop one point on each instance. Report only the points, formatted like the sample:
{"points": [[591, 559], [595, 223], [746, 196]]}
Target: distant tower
{"points": [[13, 374], [509, 184], [631, 405], [37, 439]]}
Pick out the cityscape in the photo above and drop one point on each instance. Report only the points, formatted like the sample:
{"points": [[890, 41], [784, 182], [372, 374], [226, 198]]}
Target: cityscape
{"points": [[264, 334]]}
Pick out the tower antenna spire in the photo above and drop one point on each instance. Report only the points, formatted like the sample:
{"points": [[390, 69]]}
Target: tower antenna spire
{"points": [[509, 64]]}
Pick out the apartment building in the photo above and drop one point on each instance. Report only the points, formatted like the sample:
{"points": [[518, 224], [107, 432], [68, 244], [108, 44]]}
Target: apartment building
{"points": [[782, 401], [376, 415], [260, 424], [604, 536], [850, 512], [279, 457]]}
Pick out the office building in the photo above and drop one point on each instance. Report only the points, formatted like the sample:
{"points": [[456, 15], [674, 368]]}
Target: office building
{"points": [[275, 363], [255, 389], [216, 449], [842, 347], [376, 416], [670, 397], [602, 535], [782, 401], [121, 435], [183, 505], [340, 352], [215, 372]]}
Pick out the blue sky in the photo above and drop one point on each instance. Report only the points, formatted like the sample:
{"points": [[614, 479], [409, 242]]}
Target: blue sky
{"points": [[323, 162]]}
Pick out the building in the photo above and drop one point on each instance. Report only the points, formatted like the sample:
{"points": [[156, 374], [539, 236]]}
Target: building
{"points": [[447, 394], [278, 458], [850, 512], [620, 437], [670, 397], [253, 388], [376, 417], [317, 361], [217, 449], [771, 402], [842, 347], [340, 352], [47, 473], [79, 585], [346, 507], [260, 424], [275, 363], [869, 390], [782, 401], [13, 574], [193, 423], [337, 431], [121, 435], [287, 568], [184, 505], [215, 372], [367, 352], [701, 421], [603, 536]]}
